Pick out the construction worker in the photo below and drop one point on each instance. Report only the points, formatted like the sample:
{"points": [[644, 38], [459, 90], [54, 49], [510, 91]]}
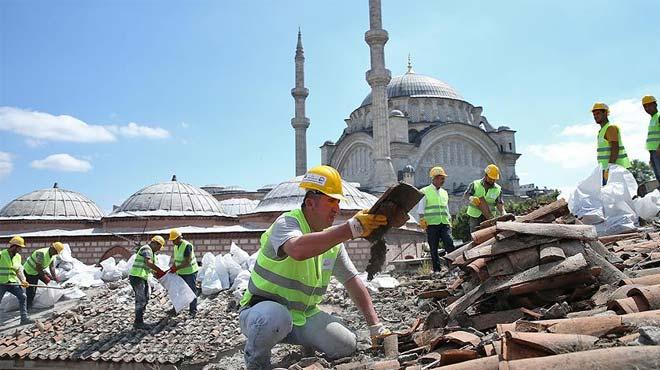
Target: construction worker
{"points": [[610, 148], [185, 264], [299, 253], [653, 137], [434, 216], [12, 279], [139, 274], [35, 267], [485, 197]]}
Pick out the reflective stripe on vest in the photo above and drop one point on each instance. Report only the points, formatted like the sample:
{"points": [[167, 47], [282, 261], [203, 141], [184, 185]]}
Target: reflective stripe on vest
{"points": [[179, 250], [30, 265], [491, 197], [604, 150], [139, 268], [298, 285], [8, 267], [653, 136], [436, 211]]}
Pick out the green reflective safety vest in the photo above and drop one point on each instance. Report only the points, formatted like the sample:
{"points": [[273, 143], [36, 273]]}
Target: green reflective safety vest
{"points": [[298, 285], [653, 136], [30, 265], [491, 197], [178, 258], [604, 150], [139, 268], [436, 211], [8, 267]]}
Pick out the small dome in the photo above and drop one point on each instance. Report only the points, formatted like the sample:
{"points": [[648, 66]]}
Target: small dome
{"points": [[503, 128], [408, 169], [329, 142], [266, 188], [52, 204], [238, 206], [171, 198], [213, 188], [396, 113], [415, 85], [288, 195]]}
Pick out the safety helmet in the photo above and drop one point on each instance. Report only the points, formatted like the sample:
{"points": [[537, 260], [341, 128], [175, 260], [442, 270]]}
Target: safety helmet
{"points": [[324, 179], [17, 240], [159, 239], [648, 99], [492, 172], [600, 106], [59, 247], [174, 233], [437, 171]]}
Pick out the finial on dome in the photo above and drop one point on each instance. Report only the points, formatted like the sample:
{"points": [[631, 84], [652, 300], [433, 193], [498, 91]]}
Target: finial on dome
{"points": [[410, 69], [55, 186], [173, 177]]}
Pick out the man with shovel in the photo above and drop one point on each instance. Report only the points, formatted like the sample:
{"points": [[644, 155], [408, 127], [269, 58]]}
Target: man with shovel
{"points": [[12, 279]]}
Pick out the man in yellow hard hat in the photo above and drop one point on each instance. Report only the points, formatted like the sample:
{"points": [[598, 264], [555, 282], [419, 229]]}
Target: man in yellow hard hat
{"points": [[485, 197], [299, 253], [35, 269], [650, 105], [434, 216], [12, 279], [610, 148], [184, 264], [144, 264]]}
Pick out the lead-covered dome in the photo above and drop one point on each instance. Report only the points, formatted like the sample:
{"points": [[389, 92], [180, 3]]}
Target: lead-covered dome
{"points": [[416, 85], [170, 198], [52, 204]]}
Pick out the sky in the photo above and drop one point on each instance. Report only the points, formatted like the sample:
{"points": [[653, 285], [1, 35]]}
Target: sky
{"points": [[107, 97]]}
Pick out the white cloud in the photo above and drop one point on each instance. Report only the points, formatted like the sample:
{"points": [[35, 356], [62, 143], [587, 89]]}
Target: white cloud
{"points": [[580, 130], [6, 165], [184, 125], [39, 126], [570, 154], [62, 162]]}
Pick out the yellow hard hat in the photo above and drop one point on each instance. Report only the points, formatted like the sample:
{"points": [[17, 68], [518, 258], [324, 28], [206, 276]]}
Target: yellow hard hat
{"points": [[600, 106], [174, 233], [492, 171], [160, 240], [437, 171], [648, 99], [324, 179], [59, 247], [17, 240]]}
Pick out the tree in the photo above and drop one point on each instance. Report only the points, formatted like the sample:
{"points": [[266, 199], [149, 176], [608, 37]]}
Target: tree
{"points": [[641, 171]]}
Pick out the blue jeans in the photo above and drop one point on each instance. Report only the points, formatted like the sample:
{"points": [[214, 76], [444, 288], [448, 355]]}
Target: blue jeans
{"points": [[435, 233], [267, 323], [19, 293], [190, 280], [655, 163]]}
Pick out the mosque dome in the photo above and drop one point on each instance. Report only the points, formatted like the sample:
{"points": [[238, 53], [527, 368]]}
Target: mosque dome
{"points": [[416, 85], [170, 198], [288, 195], [52, 204]]}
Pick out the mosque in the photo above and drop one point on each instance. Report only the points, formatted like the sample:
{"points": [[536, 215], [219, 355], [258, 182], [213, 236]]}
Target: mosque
{"points": [[405, 126]]}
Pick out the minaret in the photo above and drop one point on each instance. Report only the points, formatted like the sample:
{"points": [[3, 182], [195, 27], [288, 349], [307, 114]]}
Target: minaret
{"points": [[378, 77], [299, 122]]}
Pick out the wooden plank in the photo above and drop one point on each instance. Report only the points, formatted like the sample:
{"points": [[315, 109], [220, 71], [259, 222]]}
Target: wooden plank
{"points": [[639, 357], [551, 253], [493, 221], [480, 236], [506, 246], [557, 208], [582, 232]]}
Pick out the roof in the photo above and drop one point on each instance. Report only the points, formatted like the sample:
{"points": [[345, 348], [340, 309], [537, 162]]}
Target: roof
{"points": [[238, 206], [170, 198], [131, 231], [417, 86], [288, 195], [51, 204]]}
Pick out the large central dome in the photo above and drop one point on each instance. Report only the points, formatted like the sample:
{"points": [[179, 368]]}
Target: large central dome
{"points": [[415, 85]]}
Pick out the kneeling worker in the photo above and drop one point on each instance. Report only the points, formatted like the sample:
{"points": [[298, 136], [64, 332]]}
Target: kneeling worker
{"points": [[299, 253], [434, 216], [139, 277], [485, 197], [36, 265], [11, 273]]}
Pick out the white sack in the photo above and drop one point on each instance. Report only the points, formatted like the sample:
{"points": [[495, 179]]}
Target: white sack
{"points": [[252, 260], [240, 256], [110, 271], [179, 292], [46, 298], [221, 270], [211, 283], [585, 201], [620, 217], [648, 206], [233, 268], [385, 282]]}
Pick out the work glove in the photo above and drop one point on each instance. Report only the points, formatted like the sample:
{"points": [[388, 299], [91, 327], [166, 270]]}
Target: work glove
{"points": [[25, 284], [173, 269], [363, 223], [606, 174], [475, 201], [423, 224], [378, 332]]}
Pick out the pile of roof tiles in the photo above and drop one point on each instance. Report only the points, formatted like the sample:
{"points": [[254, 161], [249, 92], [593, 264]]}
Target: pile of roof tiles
{"points": [[100, 329]]}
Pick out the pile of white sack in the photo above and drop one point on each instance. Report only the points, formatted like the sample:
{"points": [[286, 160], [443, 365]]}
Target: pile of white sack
{"points": [[611, 208], [229, 271]]}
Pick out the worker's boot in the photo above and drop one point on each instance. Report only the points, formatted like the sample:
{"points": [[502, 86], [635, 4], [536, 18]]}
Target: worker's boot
{"points": [[26, 320], [139, 320]]}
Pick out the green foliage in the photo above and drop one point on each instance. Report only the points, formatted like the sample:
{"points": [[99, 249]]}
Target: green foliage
{"points": [[641, 171], [460, 225], [525, 206]]}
